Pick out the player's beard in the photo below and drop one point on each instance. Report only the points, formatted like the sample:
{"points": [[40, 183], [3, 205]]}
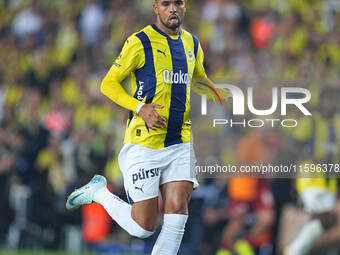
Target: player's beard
{"points": [[171, 26]]}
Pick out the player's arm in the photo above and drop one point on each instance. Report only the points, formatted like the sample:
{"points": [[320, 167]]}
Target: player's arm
{"points": [[202, 84], [130, 59], [112, 88]]}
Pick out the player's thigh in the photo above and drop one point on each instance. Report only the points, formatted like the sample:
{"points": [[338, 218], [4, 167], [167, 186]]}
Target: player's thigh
{"points": [[145, 213], [180, 164], [176, 196], [141, 183]]}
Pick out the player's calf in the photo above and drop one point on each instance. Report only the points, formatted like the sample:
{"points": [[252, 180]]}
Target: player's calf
{"points": [[176, 196], [121, 212], [145, 213]]}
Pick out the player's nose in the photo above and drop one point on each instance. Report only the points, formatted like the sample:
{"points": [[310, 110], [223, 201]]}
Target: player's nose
{"points": [[173, 8]]}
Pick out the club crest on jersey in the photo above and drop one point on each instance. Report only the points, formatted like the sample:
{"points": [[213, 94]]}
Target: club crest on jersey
{"points": [[190, 55], [176, 78]]}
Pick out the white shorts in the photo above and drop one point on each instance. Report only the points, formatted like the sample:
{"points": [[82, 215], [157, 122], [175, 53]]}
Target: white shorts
{"points": [[318, 200], [145, 169]]}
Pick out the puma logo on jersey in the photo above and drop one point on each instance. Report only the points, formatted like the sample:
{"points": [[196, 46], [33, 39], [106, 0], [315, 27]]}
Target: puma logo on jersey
{"points": [[176, 78], [162, 52]]}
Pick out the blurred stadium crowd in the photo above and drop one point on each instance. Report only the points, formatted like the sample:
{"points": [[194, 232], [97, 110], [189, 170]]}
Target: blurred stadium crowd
{"points": [[57, 130]]}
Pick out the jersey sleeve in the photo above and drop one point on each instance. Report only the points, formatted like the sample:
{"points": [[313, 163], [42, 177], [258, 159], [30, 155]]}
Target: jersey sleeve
{"points": [[199, 71], [129, 60], [202, 84]]}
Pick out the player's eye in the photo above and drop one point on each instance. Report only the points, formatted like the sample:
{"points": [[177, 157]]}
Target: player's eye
{"points": [[165, 3], [179, 2]]}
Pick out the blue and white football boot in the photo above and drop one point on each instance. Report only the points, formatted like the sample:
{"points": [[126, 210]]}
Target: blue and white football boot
{"points": [[84, 195]]}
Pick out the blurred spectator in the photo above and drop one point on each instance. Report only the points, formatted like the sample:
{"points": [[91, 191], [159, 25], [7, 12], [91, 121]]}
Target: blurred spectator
{"points": [[261, 32], [214, 215], [91, 20], [27, 22], [7, 159], [249, 197]]}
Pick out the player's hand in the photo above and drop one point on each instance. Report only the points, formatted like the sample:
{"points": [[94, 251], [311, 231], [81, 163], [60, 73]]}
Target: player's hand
{"points": [[152, 118]]}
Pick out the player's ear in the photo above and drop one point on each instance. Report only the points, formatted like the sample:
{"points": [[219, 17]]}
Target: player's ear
{"points": [[155, 7]]}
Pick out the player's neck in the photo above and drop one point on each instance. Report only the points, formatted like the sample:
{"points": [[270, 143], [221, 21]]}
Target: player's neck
{"points": [[168, 31]]}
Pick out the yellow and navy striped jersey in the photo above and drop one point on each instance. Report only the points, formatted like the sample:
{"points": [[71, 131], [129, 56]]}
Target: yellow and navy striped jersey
{"points": [[161, 69]]}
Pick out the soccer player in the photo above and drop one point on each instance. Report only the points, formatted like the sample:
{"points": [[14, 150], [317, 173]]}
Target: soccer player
{"points": [[157, 154]]}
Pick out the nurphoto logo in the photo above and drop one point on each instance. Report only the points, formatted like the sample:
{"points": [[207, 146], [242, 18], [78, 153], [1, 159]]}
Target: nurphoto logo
{"points": [[301, 97]]}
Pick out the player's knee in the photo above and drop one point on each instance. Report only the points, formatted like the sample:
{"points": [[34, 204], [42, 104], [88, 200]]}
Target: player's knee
{"points": [[143, 233], [177, 207], [183, 210], [146, 223], [138, 230]]}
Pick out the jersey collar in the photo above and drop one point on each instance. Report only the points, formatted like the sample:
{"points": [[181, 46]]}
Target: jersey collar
{"points": [[164, 34]]}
